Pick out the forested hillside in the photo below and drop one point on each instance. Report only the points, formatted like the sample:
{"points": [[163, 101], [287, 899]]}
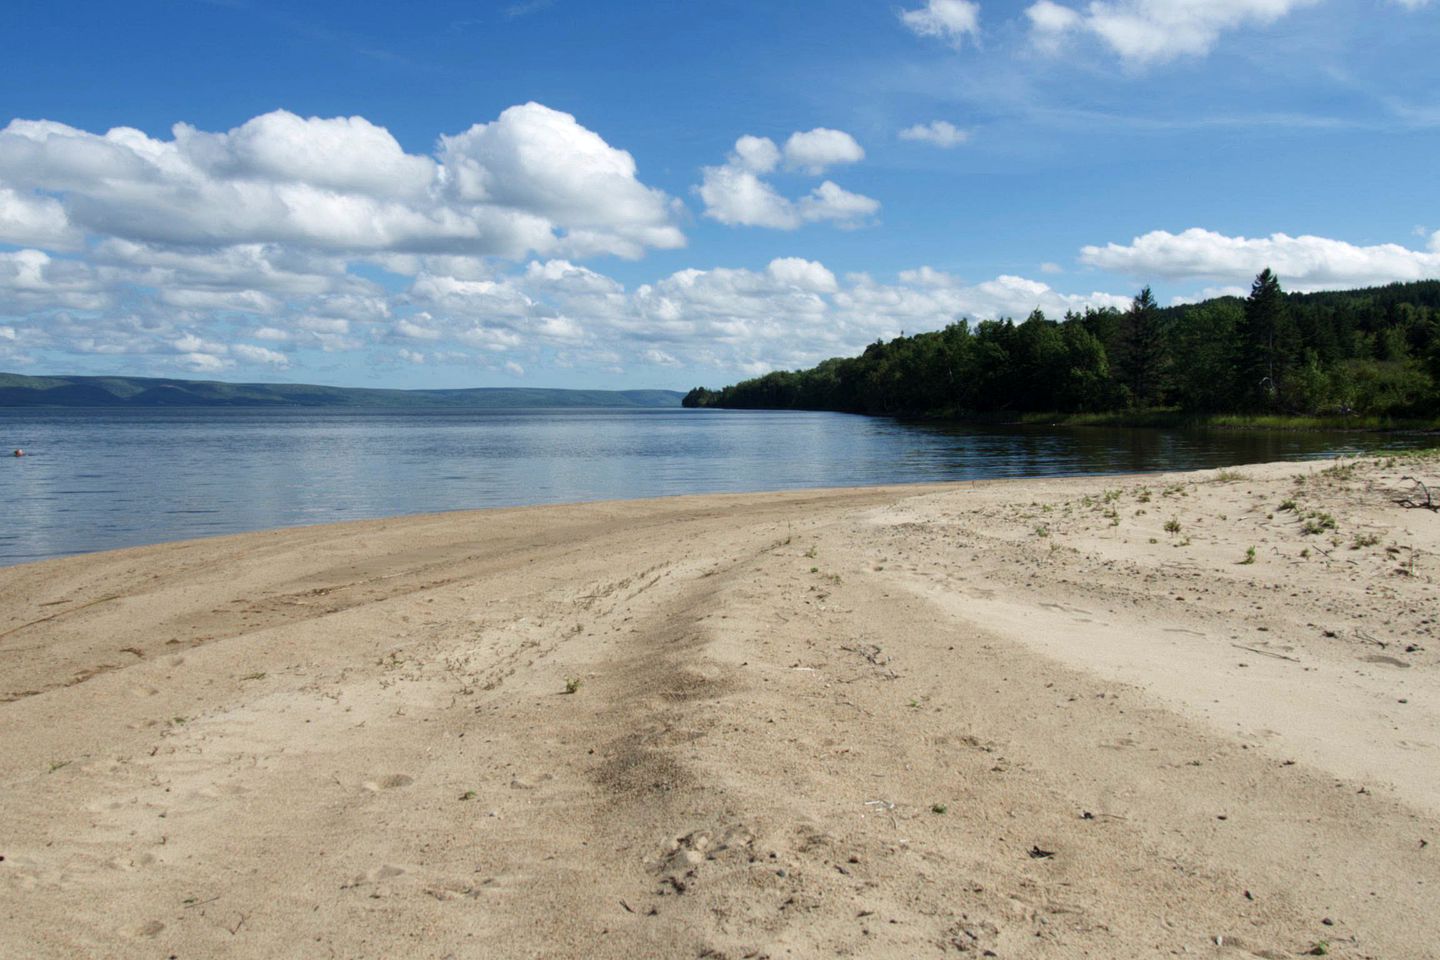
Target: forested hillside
{"points": [[1373, 352], [23, 391]]}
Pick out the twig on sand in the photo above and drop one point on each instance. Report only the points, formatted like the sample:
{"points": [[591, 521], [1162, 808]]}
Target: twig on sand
{"points": [[888, 807], [1429, 503], [1265, 653]]}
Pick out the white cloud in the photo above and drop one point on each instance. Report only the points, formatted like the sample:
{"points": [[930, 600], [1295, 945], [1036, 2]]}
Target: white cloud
{"points": [[514, 369], [815, 150], [554, 313], [736, 195], [1143, 32], [30, 220], [33, 280], [345, 154], [1302, 263], [949, 20], [534, 180], [1412, 4], [204, 362], [941, 133], [756, 154], [253, 354], [802, 274], [542, 161], [831, 202]]}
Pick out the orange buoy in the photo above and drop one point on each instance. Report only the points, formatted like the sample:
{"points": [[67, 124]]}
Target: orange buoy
{"points": [[19, 453]]}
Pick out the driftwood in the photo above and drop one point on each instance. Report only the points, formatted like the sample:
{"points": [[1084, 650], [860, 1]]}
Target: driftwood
{"points": [[1429, 503]]}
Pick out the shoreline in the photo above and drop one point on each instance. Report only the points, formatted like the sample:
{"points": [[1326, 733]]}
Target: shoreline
{"points": [[1039, 717]]}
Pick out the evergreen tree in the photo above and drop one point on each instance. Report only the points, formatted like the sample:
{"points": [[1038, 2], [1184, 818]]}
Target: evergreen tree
{"points": [[1269, 340], [1143, 356]]}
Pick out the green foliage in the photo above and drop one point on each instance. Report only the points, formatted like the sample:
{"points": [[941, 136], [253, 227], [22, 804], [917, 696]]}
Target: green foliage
{"points": [[1360, 358], [1144, 357]]}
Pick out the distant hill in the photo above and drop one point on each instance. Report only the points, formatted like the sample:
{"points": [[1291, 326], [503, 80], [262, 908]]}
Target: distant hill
{"points": [[22, 391]]}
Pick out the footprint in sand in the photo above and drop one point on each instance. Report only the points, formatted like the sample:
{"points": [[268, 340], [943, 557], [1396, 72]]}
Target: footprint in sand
{"points": [[392, 782], [143, 931]]}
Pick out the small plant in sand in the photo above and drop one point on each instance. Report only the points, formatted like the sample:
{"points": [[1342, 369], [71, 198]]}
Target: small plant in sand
{"points": [[939, 808], [1362, 540], [1288, 504], [1172, 526], [1316, 523], [1229, 476], [1042, 531], [573, 684], [811, 552], [814, 569], [1144, 495], [468, 795], [1249, 556]]}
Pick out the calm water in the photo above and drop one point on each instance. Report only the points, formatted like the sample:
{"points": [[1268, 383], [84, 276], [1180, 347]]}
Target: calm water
{"points": [[101, 479]]}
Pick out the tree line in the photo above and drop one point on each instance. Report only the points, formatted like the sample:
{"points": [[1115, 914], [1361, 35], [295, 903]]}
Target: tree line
{"points": [[1373, 352]]}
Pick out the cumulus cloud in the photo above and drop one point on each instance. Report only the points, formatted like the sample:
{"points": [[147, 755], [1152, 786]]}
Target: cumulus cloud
{"points": [[802, 274], [27, 219], [1303, 263], [815, 150], [550, 313], [543, 162], [736, 194], [263, 355], [532, 181], [33, 280], [276, 231], [949, 20], [1144, 32], [940, 133]]}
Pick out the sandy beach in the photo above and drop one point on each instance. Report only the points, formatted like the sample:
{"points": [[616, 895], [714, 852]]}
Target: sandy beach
{"points": [[1185, 714]]}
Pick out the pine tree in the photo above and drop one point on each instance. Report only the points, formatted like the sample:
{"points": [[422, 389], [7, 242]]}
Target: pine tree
{"points": [[1270, 346], [1142, 361]]}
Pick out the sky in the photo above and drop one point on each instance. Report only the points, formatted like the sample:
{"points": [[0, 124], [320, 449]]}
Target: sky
{"points": [[665, 193]]}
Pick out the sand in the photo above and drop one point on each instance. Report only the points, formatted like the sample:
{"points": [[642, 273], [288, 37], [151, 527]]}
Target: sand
{"points": [[1013, 719]]}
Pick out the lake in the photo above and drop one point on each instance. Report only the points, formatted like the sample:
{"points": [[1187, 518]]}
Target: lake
{"points": [[102, 479]]}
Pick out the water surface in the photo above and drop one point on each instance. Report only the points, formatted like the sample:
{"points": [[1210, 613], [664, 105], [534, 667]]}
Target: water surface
{"points": [[102, 479]]}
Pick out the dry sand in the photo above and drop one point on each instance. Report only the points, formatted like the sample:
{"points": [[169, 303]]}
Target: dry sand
{"points": [[1013, 719]]}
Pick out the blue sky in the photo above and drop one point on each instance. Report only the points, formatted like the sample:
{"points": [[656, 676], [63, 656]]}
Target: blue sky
{"points": [[665, 194]]}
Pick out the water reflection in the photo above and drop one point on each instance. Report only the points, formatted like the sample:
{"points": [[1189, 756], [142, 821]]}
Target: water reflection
{"points": [[105, 479]]}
